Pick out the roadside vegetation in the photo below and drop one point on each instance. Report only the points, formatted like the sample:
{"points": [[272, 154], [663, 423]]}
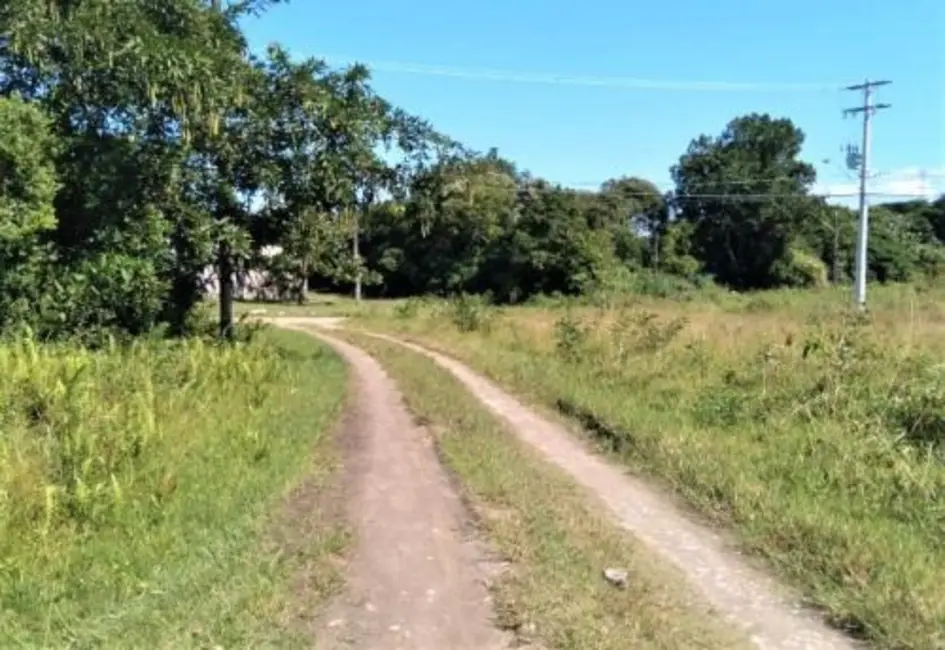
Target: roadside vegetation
{"points": [[555, 543], [814, 432], [157, 164], [142, 491]]}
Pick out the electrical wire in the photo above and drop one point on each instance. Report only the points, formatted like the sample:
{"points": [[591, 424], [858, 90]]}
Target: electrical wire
{"points": [[625, 83], [713, 183], [772, 196]]}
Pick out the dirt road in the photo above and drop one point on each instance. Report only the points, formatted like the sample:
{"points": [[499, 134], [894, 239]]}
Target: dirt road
{"points": [[744, 596], [416, 581], [405, 503]]}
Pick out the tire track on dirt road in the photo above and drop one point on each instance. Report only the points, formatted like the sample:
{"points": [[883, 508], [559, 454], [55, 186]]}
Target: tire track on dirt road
{"points": [[748, 598], [415, 581]]}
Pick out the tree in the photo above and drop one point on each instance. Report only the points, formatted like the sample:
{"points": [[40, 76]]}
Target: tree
{"points": [[28, 186], [893, 247], [135, 90], [634, 211], [556, 246], [456, 212], [745, 192], [321, 132]]}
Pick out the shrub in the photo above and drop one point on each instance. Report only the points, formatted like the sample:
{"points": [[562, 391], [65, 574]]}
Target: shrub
{"points": [[408, 309], [800, 269], [570, 337], [471, 313]]}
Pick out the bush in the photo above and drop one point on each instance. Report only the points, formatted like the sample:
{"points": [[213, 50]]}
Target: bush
{"points": [[471, 313], [916, 408], [661, 285], [408, 309], [800, 269], [570, 337]]}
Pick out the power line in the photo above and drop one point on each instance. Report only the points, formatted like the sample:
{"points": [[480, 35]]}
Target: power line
{"points": [[712, 183], [626, 83], [765, 196], [820, 195], [888, 177]]}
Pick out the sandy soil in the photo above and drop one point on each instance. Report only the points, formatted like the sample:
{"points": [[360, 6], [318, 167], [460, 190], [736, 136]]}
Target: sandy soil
{"points": [[416, 579]]}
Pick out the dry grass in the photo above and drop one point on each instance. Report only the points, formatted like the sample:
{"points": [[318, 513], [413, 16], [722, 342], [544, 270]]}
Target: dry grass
{"points": [[818, 438]]}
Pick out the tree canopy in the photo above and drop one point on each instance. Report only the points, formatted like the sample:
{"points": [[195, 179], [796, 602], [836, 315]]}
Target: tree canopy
{"points": [[143, 142]]}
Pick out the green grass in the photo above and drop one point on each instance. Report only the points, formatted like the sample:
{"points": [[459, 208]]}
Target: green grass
{"points": [[821, 443], [145, 493], [557, 543]]}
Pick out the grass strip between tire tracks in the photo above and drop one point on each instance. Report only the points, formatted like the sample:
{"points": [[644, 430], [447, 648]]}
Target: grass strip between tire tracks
{"points": [[556, 541]]}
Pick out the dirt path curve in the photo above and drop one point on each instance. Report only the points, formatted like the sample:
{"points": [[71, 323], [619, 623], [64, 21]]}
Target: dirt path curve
{"points": [[415, 581], [744, 596]]}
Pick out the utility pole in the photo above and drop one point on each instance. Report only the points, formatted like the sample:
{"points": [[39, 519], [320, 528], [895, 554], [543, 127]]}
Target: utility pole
{"points": [[867, 109]]}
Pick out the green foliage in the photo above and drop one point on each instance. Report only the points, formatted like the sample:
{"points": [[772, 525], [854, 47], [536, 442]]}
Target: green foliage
{"points": [[470, 313], [142, 147], [676, 250], [641, 332], [570, 337], [893, 247], [917, 408], [407, 309], [28, 181], [28, 186], [661, 285], [799, 268], [116, 464], [740, 240]]}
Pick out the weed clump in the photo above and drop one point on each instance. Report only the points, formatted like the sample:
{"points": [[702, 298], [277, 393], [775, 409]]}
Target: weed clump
{"points": [[570, 337], [472, 313], [408, 309]]}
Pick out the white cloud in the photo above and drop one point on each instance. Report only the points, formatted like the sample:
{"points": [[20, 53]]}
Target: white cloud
{"points": [[897, 185]]}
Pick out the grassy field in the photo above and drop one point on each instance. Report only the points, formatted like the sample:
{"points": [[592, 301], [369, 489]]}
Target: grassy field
{"points": [[816, 435], [146, 493], [554, 592]]}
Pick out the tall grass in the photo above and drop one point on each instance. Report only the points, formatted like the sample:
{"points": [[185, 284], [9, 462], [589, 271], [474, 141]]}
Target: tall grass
{"points": [[817, 435], [134, 480]]}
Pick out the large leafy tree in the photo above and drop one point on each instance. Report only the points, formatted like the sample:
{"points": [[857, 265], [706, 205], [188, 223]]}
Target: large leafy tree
{"points": [[136, 91], [457, 210], [556, 246], [745, 192], [636, 212]]}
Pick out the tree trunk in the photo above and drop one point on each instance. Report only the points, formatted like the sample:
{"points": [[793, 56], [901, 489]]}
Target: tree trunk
{"points": [[357, 260], [656, 249], [303, 284], [836, 250], [225, 276]]}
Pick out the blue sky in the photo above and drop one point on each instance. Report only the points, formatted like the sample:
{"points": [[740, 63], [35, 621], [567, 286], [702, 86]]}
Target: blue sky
{"points": [[429, 58]]}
